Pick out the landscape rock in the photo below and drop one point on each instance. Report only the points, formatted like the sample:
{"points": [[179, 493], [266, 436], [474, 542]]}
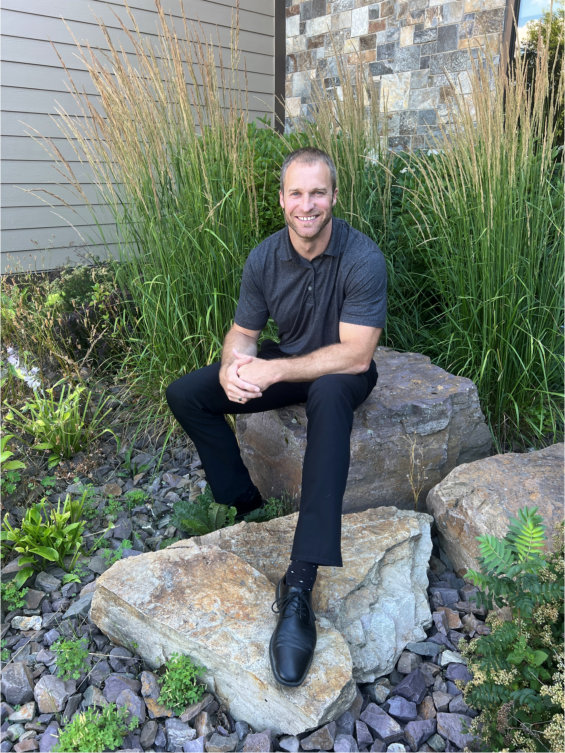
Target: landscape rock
{"points": [[418, 419], [381, 724], [481, 497], [258, 742], [417, 732], [17, 683], [220, 743], [321, 739], [49, 738], [377, 600], [178, 733], [412, 687], [452, 726], [225, 625], [51, 694]]}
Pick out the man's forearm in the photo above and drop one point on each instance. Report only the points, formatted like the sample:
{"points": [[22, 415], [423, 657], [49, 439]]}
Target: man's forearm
{"points": [[341, 358], [237, 341]]}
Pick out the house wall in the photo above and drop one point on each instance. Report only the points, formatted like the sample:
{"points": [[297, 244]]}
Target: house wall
{"points": [[35, 235], [410, 49]]}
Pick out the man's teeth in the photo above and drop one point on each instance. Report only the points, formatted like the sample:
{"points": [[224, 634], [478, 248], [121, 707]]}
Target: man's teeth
{"points": [[313, 217]]}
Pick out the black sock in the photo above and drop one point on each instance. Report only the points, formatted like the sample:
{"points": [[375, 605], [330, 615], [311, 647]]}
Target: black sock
{"points": [[301, 574], [248, 501]]}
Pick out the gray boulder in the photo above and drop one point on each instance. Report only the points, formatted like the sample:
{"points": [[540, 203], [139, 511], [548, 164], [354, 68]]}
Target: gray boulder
{"points": [[481, 497], [415, 427]]}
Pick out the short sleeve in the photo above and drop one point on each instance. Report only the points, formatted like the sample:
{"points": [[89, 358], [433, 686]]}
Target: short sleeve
{"points": [[366, 291], [252, 311]]}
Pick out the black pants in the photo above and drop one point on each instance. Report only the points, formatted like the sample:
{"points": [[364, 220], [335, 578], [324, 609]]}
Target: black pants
{"points": [[199, 403]]}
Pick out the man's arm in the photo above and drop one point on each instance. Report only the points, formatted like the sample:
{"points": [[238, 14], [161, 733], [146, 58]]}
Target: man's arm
{"points": [[352, 355], [240, 347]]}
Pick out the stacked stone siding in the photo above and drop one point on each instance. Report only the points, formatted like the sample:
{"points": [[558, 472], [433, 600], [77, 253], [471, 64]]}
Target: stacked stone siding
{"points": [[410, 49]]}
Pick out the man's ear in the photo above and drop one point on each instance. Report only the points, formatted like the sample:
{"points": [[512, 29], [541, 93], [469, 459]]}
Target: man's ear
{"points": [[281, 199], [334, 200]]}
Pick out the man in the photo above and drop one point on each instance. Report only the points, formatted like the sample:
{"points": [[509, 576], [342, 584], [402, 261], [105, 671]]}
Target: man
{"points": [[324, 285]]}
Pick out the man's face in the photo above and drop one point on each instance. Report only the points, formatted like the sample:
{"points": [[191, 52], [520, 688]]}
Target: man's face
{"points": [[307, 199]]}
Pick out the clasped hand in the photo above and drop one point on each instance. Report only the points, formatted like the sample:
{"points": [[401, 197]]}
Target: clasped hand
{"points": [[246, 377]]}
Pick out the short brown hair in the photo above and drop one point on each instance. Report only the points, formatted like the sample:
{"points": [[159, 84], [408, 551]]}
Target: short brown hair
{"points": [[309, 154]]}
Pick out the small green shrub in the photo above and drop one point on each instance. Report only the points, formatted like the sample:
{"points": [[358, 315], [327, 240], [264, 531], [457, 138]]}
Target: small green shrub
{"points": [[72, 657], [110, 556], [96, 730], [4, 652], [9, 469], [13, 596], [517, 669], [180, 687], [45, 537], [134, 498], [62, 424], [202, 516], [274, 508]]}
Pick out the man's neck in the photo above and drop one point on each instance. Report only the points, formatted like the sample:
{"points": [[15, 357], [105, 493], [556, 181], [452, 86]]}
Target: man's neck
{"points": [[310, 249]]}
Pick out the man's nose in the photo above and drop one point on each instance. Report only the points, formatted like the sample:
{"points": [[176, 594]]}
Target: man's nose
{"points": [[307, 201]]}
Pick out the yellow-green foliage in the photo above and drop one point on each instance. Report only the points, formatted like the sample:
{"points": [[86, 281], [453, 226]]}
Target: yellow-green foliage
{"points": [[517, 669]]}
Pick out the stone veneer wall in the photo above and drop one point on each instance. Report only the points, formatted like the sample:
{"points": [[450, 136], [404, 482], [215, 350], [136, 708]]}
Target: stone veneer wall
{"points": [[410, 49]]}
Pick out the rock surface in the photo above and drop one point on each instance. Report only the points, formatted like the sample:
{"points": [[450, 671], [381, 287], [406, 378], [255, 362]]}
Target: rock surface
{"points": [[419, 421], [377, 600], [481, 497], [210, 604]]}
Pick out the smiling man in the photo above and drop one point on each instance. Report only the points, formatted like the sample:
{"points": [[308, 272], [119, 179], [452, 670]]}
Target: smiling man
{"points": [[324, 285]]}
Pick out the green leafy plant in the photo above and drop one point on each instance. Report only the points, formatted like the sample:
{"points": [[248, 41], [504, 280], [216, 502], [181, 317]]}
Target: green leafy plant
{"points": [[76, 575], [202, 516], [516, 667], [135, 497], [94, 730], [274, 508], [111, 556], [4, 652], [180, 687], [9, 469], [13, 596], [61, 420], [44, 537], [49, 482], [72, 657]]}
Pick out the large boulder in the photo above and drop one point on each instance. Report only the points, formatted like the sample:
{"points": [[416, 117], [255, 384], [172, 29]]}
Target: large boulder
{"points": [[415, 427], [481, 497], [377, 600], [213, 606], [210, 597]]}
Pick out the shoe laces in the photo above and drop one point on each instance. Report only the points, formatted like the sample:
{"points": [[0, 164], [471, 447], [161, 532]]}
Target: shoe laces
{"points": [[294, 602]]}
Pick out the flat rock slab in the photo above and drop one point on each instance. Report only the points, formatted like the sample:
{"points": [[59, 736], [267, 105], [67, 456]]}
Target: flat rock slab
{"points": [[419, 423], [212, 605], [481, 497], [377, 600]]}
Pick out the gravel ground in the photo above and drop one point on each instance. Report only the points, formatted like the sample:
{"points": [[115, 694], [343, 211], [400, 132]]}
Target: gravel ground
{"points": [[418, 707]]}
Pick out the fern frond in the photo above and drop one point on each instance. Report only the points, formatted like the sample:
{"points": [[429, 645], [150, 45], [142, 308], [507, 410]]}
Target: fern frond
{"points": [[526, 535], [496, 554]]}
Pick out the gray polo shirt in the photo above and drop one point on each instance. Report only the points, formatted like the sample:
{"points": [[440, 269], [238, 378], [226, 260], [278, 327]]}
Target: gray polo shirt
{"points": [[308, 299]]}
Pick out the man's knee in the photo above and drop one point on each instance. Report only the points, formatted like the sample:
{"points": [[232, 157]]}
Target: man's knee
{"points": [[327, 390], [176, 394]]}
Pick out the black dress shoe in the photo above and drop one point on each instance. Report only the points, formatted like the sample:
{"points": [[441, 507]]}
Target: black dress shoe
{"points": [[294, 638]]}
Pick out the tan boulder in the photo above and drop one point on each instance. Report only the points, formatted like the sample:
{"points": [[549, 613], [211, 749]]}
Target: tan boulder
{"points": [[415, 427], [481, 497], [213, 606], [210, 598]]}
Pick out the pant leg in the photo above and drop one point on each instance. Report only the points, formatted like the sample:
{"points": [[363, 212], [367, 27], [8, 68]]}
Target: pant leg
{"points": [[199, 403], [331, 402]]}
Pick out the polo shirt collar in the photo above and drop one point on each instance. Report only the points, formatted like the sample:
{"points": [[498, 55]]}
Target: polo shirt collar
{"points": [[333, 248]]}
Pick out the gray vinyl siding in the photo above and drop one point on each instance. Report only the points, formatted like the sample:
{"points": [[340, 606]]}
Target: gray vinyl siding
{"points": [[35, 235]]}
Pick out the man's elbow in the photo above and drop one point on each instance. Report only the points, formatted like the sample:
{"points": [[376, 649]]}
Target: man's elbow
{"points": [[362, 364]]}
